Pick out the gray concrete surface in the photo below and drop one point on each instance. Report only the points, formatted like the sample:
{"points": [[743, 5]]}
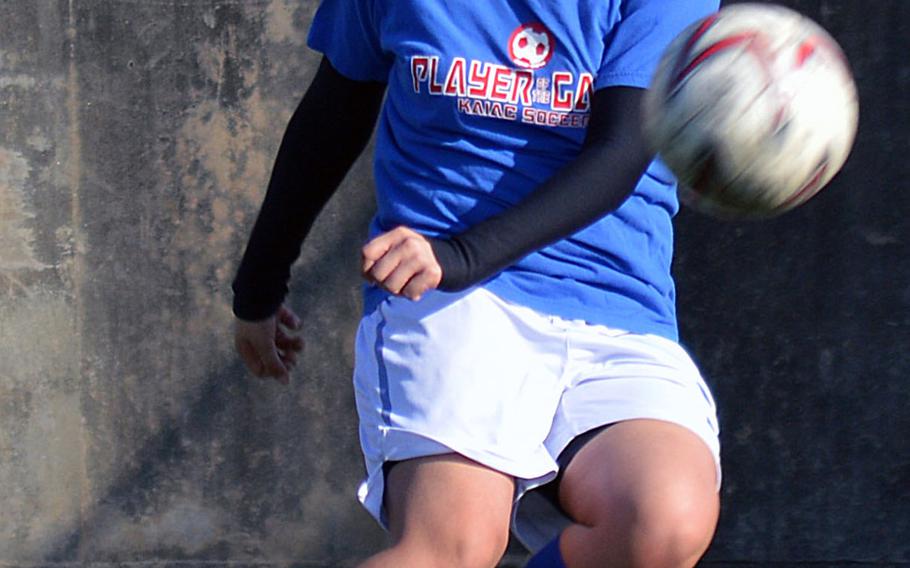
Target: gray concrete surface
{"points": [[135, 142], [137, 138]]}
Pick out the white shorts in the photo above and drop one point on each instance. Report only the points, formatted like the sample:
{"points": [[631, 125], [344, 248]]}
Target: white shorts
{"points": [[509, 388]]}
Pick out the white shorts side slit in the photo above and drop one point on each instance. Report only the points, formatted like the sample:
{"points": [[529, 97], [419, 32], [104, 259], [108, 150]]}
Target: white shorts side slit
{"points": [[509, 388]]}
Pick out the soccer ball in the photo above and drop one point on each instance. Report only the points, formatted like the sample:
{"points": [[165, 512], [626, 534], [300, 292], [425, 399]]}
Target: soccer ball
{"points": [[531, 46], [754, 109]]}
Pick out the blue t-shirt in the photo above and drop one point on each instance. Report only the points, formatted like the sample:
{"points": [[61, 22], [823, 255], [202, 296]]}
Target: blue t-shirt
{"points": [[485, 101]]}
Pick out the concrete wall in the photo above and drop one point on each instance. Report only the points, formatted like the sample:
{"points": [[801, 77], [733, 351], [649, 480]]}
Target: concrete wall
{"points": [[136, 138]]}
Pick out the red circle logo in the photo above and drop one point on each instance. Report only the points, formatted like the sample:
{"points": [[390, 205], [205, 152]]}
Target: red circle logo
{"points": [[531, 46]]}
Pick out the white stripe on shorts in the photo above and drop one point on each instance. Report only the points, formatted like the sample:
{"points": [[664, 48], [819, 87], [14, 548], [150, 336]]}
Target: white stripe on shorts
{"points": [[509, 388]]}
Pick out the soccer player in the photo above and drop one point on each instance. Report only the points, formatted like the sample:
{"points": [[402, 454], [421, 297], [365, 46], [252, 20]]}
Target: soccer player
{"points": [[517, 363]]}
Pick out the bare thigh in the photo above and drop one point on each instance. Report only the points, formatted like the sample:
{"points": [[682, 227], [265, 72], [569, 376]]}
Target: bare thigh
{"points": [[446, 510], [643, 493]]}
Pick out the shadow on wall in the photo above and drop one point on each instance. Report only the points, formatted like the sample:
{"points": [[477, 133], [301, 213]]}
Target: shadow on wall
{"points": [[246, 470], [134, 156]]}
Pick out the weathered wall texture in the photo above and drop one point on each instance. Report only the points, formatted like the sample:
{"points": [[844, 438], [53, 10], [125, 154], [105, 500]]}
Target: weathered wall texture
{"points": [[137, 138], [135, 142]]}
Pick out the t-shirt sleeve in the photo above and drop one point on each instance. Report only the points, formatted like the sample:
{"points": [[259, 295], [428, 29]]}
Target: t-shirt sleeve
{"points": [[635, 44], [347, 32]]}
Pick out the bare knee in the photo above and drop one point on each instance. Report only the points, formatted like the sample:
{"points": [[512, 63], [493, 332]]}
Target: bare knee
{"points": [[480, 545], [672, 531], [644, 494], [671, 528], [480, 549]]}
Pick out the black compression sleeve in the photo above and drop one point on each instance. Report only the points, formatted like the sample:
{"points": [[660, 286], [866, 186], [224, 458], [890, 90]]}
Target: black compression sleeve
{"points": [[603, 175], [326, 134]]}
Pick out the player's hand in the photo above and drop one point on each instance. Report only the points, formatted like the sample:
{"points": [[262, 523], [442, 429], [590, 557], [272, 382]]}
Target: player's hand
{"points": [[401, 262], [269, 348]]}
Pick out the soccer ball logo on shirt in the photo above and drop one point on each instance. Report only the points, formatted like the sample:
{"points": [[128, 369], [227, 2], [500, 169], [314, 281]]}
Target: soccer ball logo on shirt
{"points": [[520, 92], [531, 46]]}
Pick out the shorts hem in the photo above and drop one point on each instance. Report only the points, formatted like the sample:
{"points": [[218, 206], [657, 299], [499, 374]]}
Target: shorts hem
{"points": [[420, 445], [536, 528]]}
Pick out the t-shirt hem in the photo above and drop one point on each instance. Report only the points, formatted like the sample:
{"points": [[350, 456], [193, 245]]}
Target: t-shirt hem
{"points": [[639, 80], [547, 306], [373, 297]]}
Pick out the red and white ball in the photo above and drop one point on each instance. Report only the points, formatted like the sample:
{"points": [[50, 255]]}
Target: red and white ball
{"points": [[754, 109], [531, 46]]}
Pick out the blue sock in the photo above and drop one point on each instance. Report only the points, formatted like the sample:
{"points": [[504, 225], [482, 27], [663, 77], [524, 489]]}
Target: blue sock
{"points": [[547, 557]]}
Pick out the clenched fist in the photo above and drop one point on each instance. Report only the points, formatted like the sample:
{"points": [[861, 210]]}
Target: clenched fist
{"points": [[402, 262], [269, 347]]}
